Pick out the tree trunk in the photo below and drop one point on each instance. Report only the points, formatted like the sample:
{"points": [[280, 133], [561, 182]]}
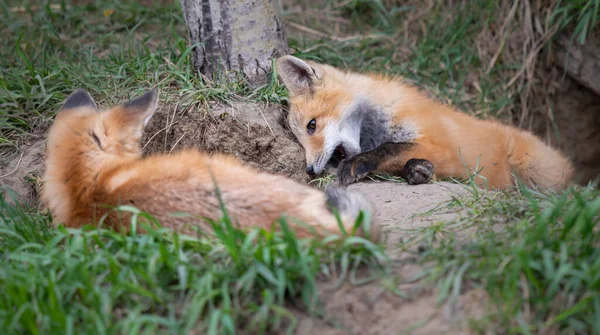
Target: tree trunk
{"points": [[234, 36]]}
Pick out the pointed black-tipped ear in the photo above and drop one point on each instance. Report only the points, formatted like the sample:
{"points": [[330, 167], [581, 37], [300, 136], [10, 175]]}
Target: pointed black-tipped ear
{"points": [[297, 75], [79, 98], [143, 107]]}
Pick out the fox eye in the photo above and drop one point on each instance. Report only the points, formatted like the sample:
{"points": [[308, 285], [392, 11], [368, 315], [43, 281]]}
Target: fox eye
{"points": [[312, 125], [96, 139]]}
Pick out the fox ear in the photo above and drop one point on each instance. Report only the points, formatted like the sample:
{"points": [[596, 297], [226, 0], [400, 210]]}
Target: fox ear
{"points": [[79, 98], [141, 109], [297, 75]]}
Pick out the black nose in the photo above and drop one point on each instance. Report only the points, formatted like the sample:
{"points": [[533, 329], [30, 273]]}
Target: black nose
{"points": [[310, 171]]}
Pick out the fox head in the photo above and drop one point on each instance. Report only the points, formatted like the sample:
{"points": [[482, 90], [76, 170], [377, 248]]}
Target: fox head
{"points": [[83, 141], [320, 104]]}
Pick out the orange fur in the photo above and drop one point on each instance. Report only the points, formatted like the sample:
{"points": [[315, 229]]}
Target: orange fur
{"points": [[451, 140], [85, 178]]}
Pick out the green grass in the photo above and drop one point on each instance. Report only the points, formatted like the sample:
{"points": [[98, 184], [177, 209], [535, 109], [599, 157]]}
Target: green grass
{"points": [[582, 15], [456, 51], [437, 52], [114, 49], [536, 255], [97, 281]]}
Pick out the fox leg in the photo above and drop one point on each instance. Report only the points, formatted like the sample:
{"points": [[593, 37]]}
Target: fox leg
{"points": [[399, 159]]}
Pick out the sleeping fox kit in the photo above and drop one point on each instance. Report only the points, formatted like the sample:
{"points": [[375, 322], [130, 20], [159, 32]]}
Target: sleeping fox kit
{"points": [[382, 125], [94, 163]]}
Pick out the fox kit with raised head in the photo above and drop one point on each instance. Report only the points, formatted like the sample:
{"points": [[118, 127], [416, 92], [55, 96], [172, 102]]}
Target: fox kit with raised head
{"points": [[383, 125], [94, 162]]}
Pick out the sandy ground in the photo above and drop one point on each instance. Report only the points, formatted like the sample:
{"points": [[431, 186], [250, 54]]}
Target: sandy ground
{"points": [[370, 308], [402, 207]]}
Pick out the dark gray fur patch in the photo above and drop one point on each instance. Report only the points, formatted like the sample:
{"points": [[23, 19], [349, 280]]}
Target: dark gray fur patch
{"points": [[374, 125], [375, 131], [79, 98]]}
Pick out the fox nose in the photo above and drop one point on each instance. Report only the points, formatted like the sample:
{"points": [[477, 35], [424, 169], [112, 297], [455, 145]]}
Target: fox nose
{"points": [[310, 171]]}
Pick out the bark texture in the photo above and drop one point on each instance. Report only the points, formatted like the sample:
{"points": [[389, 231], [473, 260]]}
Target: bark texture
{"points": [[235, 36]]}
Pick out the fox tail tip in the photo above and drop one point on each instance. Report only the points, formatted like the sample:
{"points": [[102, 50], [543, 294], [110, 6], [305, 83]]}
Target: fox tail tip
{"points": [[349, 205]]}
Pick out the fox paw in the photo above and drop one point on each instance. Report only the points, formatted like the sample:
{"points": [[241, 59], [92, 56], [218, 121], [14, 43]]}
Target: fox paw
{"points": [[418, 171], [354, 169]]}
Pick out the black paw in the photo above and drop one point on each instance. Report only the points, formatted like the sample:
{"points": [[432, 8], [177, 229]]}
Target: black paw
{"points": [[418, 171], [354, 169]]}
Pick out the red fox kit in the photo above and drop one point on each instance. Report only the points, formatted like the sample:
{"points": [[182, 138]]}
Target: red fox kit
{"points": [[383, 125], [94, 159]]}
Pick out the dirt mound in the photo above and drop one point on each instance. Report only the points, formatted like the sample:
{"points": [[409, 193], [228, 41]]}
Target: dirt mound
{"points": [[254, 132], [22, 173], [370, 310]]}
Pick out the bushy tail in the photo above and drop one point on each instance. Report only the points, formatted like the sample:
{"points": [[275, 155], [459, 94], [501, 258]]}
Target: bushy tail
{"points": [[349, 205], [537, 164]]}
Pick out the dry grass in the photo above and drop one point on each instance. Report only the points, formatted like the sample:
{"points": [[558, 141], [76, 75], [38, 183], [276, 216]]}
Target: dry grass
{"points": [[513, 75], [490, 58]]}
